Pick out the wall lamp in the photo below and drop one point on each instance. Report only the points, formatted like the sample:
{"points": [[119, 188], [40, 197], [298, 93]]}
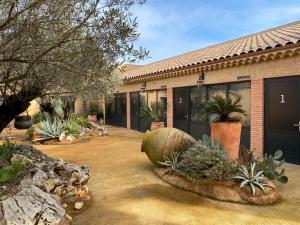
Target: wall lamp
{"points": [[201, 79], [143, 87]]}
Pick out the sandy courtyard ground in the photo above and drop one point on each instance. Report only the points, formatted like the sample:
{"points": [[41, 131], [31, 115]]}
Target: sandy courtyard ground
{"points": [[126, 191]]}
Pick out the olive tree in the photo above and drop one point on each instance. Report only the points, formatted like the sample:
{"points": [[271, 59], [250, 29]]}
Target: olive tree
{"points": [[62, 46]]}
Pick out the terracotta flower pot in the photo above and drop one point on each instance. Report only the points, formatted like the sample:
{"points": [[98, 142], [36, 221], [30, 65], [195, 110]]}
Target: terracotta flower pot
{"points": [[92, 118], [229, 134], [157, 125]]}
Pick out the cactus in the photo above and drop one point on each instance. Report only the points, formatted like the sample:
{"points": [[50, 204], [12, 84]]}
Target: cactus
{"points": [[269, 164]]}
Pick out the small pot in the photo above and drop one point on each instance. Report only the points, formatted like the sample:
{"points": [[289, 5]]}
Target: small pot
{"points": [[92, 118], [23, 122], [157, 125], [229, 134]]}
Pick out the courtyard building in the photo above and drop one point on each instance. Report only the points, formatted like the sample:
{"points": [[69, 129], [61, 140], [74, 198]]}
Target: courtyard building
{"points": [[263, 68]]}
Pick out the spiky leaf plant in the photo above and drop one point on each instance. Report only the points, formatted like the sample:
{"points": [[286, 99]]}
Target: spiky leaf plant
{"points": [[51, 128], [172, 162], [252, 178], [219, 109]]}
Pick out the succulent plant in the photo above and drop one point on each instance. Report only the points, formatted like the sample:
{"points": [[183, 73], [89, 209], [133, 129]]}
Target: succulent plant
{"points": [[252, 178], [269, 164], [218, 109], [172, 162], [51, 128]]}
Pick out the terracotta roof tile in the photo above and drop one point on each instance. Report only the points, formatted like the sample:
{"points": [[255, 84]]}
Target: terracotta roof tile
{"points": [[272, 38]]}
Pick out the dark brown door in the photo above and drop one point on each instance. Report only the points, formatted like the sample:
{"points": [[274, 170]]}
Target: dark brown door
{"points": [[282, 117], [134, 110], [181, 109]]}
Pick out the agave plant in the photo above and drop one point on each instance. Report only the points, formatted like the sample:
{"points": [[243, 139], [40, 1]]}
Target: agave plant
{"points": [[172, 162], [252, 178], [51, 129], [218, 109]]}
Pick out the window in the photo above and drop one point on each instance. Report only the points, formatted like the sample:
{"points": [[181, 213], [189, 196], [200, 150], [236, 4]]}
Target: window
{"points": [[198, 96], [214, 90], [242, 90]]}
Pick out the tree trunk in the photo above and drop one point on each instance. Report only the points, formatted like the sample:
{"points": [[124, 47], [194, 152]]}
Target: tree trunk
{"points": [[15, 104]]}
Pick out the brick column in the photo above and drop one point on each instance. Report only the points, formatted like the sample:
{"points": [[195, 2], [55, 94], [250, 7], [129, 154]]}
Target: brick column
{"points": [[128, 110], [170, 107], [257, 117]]}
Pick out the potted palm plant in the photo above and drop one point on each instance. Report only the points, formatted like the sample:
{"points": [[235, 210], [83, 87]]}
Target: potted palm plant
{"points": [[225, 127], [150, 115], [92, 112]]}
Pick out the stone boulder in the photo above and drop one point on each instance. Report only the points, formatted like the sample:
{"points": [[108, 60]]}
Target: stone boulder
{"points": [[44, 180], [32, 206], [221, 190]]}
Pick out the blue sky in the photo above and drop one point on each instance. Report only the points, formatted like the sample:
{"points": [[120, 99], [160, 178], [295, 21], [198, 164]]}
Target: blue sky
{"points": [[172, 27]]}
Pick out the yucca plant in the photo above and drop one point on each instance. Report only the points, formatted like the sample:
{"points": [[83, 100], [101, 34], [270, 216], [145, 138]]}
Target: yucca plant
{"points": [[51, 128], [172, 162], [252, 178], [218, 108]]}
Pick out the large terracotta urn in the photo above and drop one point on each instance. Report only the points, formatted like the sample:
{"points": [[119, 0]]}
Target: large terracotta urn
{"points": [[156, 125], [229, 134], [162, 142]]}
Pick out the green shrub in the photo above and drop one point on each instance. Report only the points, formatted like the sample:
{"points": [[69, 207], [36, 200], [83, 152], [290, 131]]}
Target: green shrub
{"points": [[206, 160], [11, 172], [39, 117], [7, 149], [93, 109], [79, 119], [72, 128]]}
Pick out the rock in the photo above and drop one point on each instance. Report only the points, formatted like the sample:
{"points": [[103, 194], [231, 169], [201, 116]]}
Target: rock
{"points": [[58, 190], [40, 177], [20, 158], [62, 136], [32, 206], [78, 205], [70, 138], [222, 190], [68, 217], [100, 130], [50, 183], [162, 142]]}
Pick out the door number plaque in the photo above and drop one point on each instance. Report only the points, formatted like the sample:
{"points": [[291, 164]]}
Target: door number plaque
{"points": [[282, 99]]}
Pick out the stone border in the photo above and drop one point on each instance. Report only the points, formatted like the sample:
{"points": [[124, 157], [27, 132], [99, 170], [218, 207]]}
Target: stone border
{"points": [[221, 190]]}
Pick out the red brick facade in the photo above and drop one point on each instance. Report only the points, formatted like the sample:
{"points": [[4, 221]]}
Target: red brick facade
{"points": [[170, 107], [128, 110], [257, 116]]}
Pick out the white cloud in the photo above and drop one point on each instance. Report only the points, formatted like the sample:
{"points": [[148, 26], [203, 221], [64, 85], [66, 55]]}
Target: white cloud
{"points": [[168, 29]]}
